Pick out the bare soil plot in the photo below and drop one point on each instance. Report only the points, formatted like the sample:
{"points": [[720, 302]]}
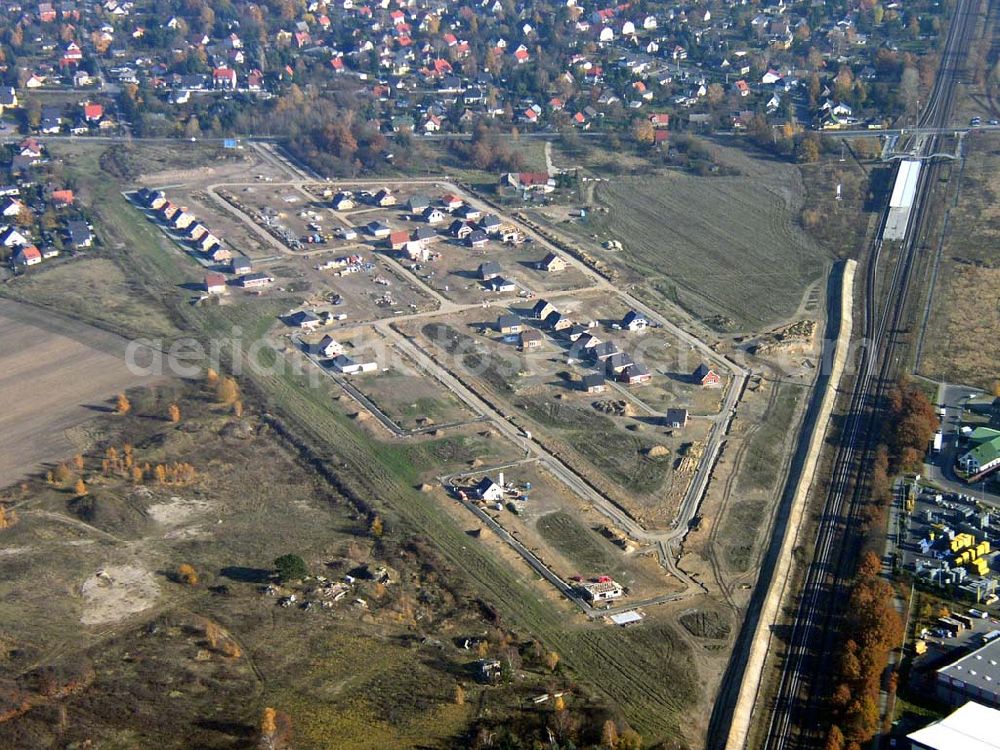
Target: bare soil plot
{"points": [[412, 399], [374, 289], [724, 248], [117, 591], [960, 344], [170, 163], [406, 394], [56, 373], [282, 210], [470, 447]]}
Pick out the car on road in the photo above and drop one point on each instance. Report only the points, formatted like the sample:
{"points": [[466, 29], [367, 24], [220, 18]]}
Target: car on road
{"points": [[994, 121], [976, 122]]}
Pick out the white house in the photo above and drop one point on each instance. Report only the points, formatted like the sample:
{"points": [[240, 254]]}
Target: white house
{"points": [[602, 590], [10, 237], [11, 207], [329, 347], [633, 321], [489, 490], [344, 364]]}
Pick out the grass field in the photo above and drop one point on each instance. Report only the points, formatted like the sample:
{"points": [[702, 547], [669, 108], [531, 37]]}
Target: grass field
{"points": [[717, 246], [757, 482], [840, 226], [959, 344], [620, 455], [762, 461], [411, 398], [727, 249], [578, 543], [93, 289], [357, 672]]}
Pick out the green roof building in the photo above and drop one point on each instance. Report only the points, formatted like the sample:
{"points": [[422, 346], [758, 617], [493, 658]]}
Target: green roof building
{"points": [[984, 455]]}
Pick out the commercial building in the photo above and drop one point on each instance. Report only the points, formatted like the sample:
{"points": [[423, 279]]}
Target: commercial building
{"points": [[976, 676], [984, 453], [972, 727]]}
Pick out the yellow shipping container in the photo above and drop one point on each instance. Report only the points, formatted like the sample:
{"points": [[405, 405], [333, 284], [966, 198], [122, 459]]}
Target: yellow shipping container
{"points": [[980, 567], [983, 548], [955, 544]]}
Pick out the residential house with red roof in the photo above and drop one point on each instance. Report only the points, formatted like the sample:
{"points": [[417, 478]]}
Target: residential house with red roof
{"points": [[62, 197], [27, 255], [92, 112], [224, 78]]}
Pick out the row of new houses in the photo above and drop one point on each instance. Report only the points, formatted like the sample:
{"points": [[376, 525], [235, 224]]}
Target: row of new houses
{"points": [[201, 239], [183, 221]]}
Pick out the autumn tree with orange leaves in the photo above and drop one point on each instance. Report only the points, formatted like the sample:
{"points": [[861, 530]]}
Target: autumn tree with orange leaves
{"points": [[872, 630], [122, 404], [275, 730]]}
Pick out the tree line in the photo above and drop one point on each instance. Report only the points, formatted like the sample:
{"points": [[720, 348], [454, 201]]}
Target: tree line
{"points": [[872, 628]]}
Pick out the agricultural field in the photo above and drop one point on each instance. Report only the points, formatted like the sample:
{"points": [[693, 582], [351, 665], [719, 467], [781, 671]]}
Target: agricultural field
{"points": [[728, 250], [960, 345], [57, 373]]}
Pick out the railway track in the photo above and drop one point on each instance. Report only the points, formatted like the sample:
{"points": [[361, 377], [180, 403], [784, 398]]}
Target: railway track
{"points": [[795, 718]]}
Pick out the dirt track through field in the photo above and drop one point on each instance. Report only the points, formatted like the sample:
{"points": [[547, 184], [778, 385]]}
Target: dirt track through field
{"points": [[54, 372]]}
